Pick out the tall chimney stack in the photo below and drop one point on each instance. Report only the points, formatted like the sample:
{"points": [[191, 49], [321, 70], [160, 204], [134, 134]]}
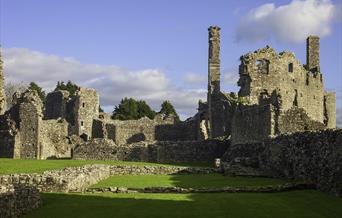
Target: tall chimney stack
{"points": [[312, 53]]}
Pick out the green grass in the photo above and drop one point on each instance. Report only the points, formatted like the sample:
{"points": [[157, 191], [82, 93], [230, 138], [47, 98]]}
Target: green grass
{"points": [[295, 204], [8, 166], [185, 181]]}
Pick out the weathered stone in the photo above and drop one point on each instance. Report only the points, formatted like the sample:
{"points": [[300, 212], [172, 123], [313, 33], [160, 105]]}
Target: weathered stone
{"points": [[162, 152], [309, 156], [17, 200]]}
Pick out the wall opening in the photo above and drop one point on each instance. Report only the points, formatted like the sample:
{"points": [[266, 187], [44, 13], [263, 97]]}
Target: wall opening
{"points": [[82, 123], [263, 66], [290, 68], [83, 104]]}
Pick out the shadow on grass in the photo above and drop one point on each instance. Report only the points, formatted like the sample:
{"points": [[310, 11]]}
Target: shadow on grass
{"points": [[306, 203]]}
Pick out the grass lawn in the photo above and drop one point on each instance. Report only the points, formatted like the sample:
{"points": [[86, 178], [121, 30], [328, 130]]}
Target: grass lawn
{"points": [[8, 166], [301, 204], [185, 181]]}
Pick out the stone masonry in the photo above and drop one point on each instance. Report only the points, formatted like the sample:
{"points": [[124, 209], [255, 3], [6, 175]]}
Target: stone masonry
{"points": [[273, 86], [277, 95]]}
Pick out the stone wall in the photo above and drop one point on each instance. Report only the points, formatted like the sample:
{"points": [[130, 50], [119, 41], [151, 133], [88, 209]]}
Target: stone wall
{"points": [[17, 200], [330, 109], [160, 152], [77, 179], [30, 115], [53, 139], [252, 123], [310, 156], [24, 134], [296, 120], [161, 128], [264, 71], [84, 108]]}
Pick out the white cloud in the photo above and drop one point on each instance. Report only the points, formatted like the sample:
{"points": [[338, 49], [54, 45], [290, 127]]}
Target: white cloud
{"points": [[292, 22], [230, 77], [194, 78], [112, 82]]}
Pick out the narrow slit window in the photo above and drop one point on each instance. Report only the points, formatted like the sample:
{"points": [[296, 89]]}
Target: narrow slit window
{"points": [[82, 123], [83, 104], [290, 68]]}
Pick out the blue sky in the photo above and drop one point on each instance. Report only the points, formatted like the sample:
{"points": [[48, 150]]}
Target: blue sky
{"points": [[139, 48]]}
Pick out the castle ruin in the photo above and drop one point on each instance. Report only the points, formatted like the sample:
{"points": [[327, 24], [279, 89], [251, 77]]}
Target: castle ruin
{"points": [[277, 95]]}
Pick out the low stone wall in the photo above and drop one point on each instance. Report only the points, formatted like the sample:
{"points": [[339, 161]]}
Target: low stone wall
{"points": [[227, 189], [18, 200], [66, 180], [159, 152], [309, 156], [77, 179]]}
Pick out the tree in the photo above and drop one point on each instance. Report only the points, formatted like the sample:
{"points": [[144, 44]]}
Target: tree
{"points": [[70, 87], [127, 110], [144, 110], [168, 109], [10, 89], [130, 109], [40, 91]]}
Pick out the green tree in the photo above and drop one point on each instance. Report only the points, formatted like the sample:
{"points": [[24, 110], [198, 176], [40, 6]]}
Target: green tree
{"points": [[168, 109], [40, 91], [127, 110], [130, 109], [69, 86], [145, 110]]}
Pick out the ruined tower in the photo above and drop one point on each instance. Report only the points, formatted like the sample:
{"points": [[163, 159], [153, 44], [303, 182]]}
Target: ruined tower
{"points": [[2, 88], [312, 53], [214, 60], [213, 76]]}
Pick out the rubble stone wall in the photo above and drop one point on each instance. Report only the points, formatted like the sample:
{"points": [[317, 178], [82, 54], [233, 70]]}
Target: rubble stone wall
{"points": [[17, 200], [252, 123], [160, 152], [310, 156], [77, 179], [53, 137], [132, 131]]}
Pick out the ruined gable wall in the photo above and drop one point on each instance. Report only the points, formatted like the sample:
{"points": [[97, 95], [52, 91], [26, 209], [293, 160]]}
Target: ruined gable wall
{"points": [[297, 88]]}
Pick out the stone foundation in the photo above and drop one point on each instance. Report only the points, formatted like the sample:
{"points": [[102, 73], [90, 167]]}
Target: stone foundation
{"points": [[77, 179]]}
